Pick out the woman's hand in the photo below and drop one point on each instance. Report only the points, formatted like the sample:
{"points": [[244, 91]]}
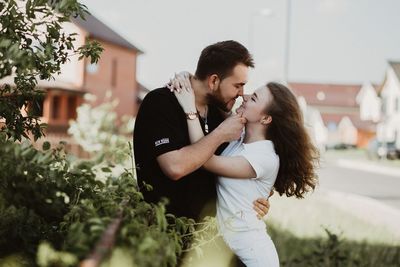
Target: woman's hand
{"points": [[183, 91], [179, 81]]}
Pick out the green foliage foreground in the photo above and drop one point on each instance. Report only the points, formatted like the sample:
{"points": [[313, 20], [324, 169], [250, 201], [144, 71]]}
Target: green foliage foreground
{"points": [[44, 196]]}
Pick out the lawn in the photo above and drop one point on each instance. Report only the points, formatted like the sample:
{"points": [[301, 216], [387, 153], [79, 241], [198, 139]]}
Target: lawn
{"points": [[358, 155], [307, 218]]}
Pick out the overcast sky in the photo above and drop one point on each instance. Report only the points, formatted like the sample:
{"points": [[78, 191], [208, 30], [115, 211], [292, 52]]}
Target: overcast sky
{"points": [[335, 41]]}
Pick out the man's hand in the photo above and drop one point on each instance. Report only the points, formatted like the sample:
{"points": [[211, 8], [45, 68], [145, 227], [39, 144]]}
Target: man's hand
{"points": [[231, 128], [261, 206]]}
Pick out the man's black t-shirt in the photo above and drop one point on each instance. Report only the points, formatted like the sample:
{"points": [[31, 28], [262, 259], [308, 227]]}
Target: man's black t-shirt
{"points": [[161, 127]]}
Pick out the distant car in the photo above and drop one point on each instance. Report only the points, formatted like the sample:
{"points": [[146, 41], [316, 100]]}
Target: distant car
{"points": [[342, 146], [380, 150]]}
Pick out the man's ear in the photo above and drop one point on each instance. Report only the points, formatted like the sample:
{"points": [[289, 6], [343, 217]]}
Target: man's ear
{"points": [[213, 82], [266, 119]]}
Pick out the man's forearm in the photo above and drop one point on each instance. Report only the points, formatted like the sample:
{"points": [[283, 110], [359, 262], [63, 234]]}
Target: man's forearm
{"points": [[180, 163]]}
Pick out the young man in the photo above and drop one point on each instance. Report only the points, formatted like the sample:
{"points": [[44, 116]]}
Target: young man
{"points": [[164, 155]]}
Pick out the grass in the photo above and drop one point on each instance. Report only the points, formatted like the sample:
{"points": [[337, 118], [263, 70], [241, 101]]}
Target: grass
{"points": [[331, 251], [307, 218], [317, 232], [359, 155]]}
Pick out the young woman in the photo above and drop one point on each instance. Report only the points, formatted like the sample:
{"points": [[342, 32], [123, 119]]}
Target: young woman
{"points": [[274, 153]]}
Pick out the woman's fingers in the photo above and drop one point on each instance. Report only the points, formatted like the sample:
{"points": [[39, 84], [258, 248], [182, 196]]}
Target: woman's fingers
{"points": [[260, 213], [261, 206], [177, 86], [187, 81], [180, 82]]}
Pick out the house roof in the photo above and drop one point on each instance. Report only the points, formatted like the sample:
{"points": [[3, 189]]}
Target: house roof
{"points": [[378, 87], [364, 88], [355, 119], [396, 67], [52, 84], [98, 29], [338, 95]]}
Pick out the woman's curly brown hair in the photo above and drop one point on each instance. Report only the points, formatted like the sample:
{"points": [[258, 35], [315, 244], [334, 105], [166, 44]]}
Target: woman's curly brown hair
{"points": [[297, 154]]}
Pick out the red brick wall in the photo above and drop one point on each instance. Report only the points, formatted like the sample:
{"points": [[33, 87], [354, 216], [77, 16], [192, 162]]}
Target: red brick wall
{"points": [[120, 79]]}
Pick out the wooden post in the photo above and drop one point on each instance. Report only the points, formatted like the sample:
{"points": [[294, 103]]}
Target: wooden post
{"points": [[107, 240]]}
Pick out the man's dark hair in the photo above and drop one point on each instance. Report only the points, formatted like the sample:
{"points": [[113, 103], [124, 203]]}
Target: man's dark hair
{"points": [[221, 58]]}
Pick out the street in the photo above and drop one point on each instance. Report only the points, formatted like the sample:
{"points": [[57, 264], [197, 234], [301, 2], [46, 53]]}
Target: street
{"points": [[382, 187]]}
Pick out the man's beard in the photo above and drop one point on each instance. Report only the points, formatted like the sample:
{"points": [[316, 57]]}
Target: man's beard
{"points": [[216, 100]]}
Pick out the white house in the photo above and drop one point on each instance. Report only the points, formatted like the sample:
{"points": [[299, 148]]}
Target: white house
{"points": [[347, 132], [388, 130], [369, 102], [314, 124]]}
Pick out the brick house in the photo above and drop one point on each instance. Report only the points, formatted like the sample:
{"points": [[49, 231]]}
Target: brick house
{"points": [[115, 72]]}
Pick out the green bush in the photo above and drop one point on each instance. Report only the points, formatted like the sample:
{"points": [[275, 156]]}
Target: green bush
{"points": [[46, 197], [331, 251]]}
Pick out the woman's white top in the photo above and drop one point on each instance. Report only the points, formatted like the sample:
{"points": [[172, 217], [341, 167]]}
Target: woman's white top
{"points": [[235, 196]]}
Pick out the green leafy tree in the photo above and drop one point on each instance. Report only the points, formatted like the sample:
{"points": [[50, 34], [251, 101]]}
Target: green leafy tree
{"points": [[33, 46]]}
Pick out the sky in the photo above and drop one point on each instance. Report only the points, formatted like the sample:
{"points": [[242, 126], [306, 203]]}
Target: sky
{"points": [[330, 41]]}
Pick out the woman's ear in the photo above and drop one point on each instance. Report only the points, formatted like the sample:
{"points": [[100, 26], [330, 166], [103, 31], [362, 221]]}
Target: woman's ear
{"points": [[266, 119], [213, 82]]}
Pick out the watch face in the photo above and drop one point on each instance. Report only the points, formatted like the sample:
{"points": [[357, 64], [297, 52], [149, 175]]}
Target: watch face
{"points": [[192, 116]]}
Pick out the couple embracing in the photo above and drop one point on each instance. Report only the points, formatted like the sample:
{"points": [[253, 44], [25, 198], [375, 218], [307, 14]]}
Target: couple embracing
{"points": [[208, 161]]}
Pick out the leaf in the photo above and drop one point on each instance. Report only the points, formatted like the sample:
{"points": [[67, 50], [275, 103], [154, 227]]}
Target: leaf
{"points": [[106, 169], [96, 229], [95, 221], [5, 42], [46, 145]]}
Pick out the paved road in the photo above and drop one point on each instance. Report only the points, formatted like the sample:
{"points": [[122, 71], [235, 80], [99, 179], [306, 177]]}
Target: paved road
{"points": [[382, 187]]}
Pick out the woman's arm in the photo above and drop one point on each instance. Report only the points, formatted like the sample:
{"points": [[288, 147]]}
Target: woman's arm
{"points": [[183, 91], [232, 167]]}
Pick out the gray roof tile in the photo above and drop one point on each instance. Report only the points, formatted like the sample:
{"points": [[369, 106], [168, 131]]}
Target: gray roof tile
{"points": [[98, 29], [396, 67]]}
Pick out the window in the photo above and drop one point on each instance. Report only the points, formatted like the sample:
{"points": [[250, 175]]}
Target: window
{"points": [[114, 73], [92, 68], [321, 96], [55, 112], [384, 104], [72, 105]]}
